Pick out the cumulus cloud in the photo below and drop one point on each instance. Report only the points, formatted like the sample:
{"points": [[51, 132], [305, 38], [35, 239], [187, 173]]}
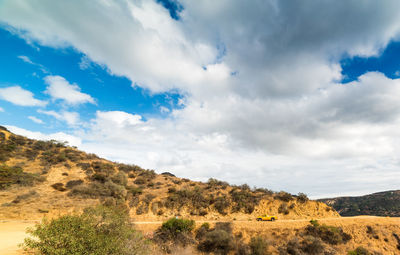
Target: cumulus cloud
{"points": [[36, 120], [20, 96], [59, 88], [1, 109], [263, 101], [71, 118]]}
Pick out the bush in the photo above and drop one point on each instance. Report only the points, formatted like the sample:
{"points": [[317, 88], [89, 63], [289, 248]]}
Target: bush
{"points": [[284, 196], [96, 190], [218, 241], [258, 246], [359, 251], [312, 245], [140, 180], [175, 226], [15, 175], [25, 196], [329, 234], [97, 231], [283, 208], [190, 198], [174, 232], [221, 204], [73, 183], [302, 198], [58, 186], [244, 200]]}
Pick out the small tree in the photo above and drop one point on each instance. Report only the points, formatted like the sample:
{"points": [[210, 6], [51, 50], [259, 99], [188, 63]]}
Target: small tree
{"points": [[100, 230]]}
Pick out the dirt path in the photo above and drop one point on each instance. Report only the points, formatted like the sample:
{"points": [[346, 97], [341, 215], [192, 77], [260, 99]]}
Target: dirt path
{"points": [[12, 232]]}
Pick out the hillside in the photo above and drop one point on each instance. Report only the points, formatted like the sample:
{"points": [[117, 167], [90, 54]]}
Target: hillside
{"points": [[39, 178], [385, 203]]}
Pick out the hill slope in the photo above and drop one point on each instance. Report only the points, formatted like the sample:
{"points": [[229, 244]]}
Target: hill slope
{"points": [[40, 178], [385, 203]]}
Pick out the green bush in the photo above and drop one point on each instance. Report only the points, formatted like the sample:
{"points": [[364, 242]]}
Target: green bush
{"points": [[73, 183], [329, 234], [258, 246], [175, 226], [359, 251], [97, 231], [15, 175], [174, 232]]}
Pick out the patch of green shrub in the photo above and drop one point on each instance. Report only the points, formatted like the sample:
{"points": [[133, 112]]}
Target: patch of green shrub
{"points": [[98, 231], [359, 251], [329, 234], [15, 175]]}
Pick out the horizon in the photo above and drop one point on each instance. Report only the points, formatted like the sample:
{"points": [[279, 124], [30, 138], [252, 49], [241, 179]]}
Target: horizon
{"points": [[300, 96]]}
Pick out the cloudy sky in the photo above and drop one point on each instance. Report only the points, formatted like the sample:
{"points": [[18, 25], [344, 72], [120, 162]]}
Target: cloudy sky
{"points": [[302, 96]]}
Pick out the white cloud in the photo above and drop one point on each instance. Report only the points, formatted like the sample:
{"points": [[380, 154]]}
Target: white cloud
{"points": [[282, 121], [164, 109], [26, 59], [59, 88], [20, 96], [72, 118], [36, 120], [59, 136], [1, 109]]}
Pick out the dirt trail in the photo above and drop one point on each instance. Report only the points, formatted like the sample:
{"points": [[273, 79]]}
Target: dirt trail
{"points": [[12, 232]]}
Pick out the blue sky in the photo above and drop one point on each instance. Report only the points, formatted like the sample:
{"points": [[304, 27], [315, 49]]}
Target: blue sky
{"points": [[110, 92], [267, 93]]}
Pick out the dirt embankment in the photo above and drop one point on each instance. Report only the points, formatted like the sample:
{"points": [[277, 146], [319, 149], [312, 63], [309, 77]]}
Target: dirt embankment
{"points": [[278, 233]]}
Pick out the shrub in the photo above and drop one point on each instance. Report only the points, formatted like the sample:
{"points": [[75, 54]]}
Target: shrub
{"points": [[15, 175], [129, 168], [84, 166], [142, 209], [73, 183], [258, 246], [218, 241], [302, 198], [243, 200], [168, 174], [359, 251], [312, 245], [96, 190], [175, 226], [140, 180], [284, 196], [283, 208], [97, 231], [202, 230], [58, 186], [329, 234], [120, 178], [221, 204], [25, 196], [134, 190], [191, 198]]}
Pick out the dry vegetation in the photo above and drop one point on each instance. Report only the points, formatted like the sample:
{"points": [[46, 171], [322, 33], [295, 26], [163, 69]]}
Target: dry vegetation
{"points": [[66, 179]]}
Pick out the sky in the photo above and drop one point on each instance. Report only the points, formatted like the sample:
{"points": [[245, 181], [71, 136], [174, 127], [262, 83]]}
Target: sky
{"points": [[301, 96]]}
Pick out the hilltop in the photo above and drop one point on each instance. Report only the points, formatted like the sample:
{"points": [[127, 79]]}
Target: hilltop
{"points": [[39, 178], [385, 203]]}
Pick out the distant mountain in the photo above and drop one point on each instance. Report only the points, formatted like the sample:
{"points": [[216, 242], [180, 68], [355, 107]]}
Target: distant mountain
{"points": [[385, 203]]}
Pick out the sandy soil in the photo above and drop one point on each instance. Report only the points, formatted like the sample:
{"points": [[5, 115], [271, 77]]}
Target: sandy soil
{"points": [[12, 232]]}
